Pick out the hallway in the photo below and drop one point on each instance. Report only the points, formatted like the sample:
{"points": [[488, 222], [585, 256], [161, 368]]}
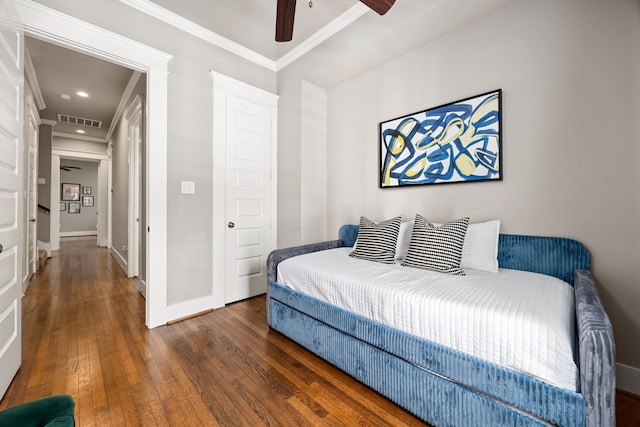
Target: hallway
{"points": [[84, 335]]}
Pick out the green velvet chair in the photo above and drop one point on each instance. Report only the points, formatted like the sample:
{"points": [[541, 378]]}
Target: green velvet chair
{"points": [[53, 411]]}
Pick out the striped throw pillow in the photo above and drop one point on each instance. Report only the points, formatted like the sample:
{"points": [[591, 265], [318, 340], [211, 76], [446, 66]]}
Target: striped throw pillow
{"points": [[437, 248], [377, 242]]}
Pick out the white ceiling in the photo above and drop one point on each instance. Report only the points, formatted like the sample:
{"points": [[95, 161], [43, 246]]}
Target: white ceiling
{"points": [[62, 71], [337, 28]]}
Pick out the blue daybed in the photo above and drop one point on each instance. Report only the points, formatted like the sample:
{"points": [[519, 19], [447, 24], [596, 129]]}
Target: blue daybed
{"points": [[445, 387]]}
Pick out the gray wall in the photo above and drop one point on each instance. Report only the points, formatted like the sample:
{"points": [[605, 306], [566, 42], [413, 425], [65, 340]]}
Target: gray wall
{"points": [[570, 72], [120, 183], [86, 221], [120, 189], [44, 190]]}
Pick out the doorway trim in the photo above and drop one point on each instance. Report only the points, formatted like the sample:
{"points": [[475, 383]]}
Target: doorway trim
{"points": [[133, 115], [31, 135], [55, 27]]}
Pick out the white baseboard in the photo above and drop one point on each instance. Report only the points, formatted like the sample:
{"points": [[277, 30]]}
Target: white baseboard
{"points": [[628, 378], [78, 233], [122, 262], [45, 246], [141, 286], [189, 308]]}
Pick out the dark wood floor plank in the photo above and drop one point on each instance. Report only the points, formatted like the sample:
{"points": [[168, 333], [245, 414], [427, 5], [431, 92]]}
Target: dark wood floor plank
{"points": [[84, 334]]}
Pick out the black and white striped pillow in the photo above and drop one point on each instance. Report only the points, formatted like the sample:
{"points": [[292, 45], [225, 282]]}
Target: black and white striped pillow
{"points": [[437, 248], [377, 242]]}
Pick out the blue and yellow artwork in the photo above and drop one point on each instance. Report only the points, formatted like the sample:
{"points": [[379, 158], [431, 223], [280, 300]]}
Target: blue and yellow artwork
{"points": [[456, 142]]}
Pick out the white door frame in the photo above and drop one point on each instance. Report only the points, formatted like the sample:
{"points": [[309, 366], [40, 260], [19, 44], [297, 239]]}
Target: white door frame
{"points": [[31, 132], [134, 118], [223, 85], [55, 27]]}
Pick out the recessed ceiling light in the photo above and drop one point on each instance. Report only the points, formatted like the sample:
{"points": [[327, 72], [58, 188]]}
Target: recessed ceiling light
{"points": [[82, 94], [80, 131], [65, 96]]}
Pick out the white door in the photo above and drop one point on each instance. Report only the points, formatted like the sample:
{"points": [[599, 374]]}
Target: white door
{"points": [[11, 193], [134, 116], [249, 237], [31, 142]]}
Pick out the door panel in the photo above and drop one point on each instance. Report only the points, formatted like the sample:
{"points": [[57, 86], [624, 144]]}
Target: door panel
{"points": [[248, 165], [11, 208]]}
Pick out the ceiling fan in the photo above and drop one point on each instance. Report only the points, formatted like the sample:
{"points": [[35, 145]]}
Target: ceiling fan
{"points": [[286, 10], [68, 168]]}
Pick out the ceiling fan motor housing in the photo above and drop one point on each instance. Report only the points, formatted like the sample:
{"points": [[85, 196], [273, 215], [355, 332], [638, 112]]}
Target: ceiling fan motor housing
{"points": [[286, 10]]}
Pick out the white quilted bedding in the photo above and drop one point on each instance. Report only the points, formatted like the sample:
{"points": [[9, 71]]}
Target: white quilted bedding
{"points": [[517, 319]]}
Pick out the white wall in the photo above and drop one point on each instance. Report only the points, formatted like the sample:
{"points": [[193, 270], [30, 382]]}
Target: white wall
{"points": [[313, 154], [570, 77]]}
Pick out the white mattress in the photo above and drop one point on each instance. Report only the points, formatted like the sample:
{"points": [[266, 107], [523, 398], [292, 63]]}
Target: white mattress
{"points": [[517, 319]]}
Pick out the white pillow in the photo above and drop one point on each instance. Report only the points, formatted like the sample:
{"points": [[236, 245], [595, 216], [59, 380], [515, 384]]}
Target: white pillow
{"points": [[404, 237], [480, 249]]}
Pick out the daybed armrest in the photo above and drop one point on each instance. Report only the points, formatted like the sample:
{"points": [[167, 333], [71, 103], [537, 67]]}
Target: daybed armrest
{"points": [[280, 255], [597, 352]]}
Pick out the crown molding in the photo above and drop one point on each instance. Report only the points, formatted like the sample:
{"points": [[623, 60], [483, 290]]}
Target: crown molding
{"points": [[353, 13], [183, 24], [68, 153], [48, 122]]}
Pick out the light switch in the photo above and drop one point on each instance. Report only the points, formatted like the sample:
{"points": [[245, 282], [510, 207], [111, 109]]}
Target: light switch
{"points": [[188, 187], [41, 181]]}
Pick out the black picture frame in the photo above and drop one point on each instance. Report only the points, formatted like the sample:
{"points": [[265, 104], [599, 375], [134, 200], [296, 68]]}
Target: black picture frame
{"points": [[70, 192], [62, 207], [87, 201], [86, 190], [74, 207], [457, 142]]}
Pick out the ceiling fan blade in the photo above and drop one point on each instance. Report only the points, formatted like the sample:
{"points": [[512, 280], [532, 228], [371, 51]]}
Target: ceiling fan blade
{"points": [[285, 14], [379, 6]]}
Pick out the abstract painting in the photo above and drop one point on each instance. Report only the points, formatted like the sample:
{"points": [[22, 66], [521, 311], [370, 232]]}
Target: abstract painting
{"points": [[456, 142]]}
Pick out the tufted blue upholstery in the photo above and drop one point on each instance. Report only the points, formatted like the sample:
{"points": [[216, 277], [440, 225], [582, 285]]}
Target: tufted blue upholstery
{"points": [[446, 387]]}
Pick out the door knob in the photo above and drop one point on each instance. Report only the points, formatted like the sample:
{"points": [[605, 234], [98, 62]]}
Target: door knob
{"points": [[231, 224], [32, 220], [1, 248]]}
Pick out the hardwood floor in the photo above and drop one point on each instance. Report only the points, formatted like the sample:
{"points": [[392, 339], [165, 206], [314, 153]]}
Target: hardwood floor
{"points": [[84, 334]]}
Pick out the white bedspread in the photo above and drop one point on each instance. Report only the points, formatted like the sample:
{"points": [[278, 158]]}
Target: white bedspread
{"points": [[521, 320]]}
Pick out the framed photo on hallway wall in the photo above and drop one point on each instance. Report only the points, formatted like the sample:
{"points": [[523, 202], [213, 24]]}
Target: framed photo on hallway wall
{"points": [[70, 192], [74, 208], [87, 201]]}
